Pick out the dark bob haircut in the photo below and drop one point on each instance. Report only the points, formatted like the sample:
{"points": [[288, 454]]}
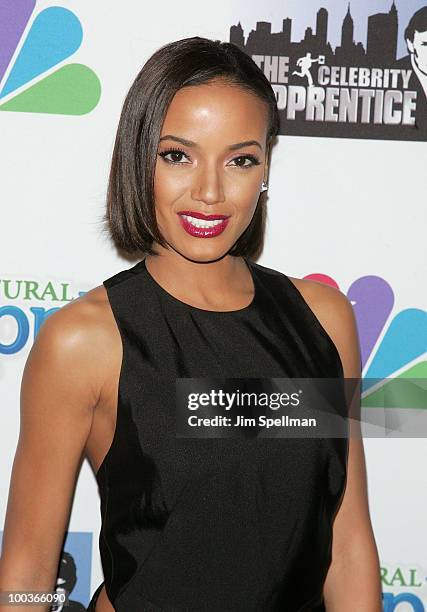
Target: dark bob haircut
{"points": [[130, 211], [418, 23]]}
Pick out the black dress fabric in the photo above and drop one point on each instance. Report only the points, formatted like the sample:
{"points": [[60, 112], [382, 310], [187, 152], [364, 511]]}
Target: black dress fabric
{"points": [[215, 524]]}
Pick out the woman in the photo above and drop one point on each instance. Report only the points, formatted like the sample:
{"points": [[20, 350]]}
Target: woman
{"points": [[210, 523]]}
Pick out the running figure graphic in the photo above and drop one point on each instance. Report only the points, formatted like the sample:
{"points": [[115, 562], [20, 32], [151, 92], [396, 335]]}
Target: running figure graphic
{"points": [[305, 63]]}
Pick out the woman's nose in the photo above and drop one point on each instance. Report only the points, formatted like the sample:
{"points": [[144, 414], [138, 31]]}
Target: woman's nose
{"points": [[208, 186]]}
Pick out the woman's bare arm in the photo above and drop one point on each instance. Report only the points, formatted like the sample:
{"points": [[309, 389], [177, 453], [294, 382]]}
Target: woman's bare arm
{"points": [[60, 388], [354, 550]]}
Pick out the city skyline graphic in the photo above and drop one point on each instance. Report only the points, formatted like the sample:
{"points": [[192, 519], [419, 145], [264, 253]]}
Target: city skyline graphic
{"points": [[303, 16], [380, 48]]}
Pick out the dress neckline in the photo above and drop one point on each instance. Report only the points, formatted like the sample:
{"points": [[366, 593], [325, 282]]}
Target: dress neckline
{"points": [[175, 300]]}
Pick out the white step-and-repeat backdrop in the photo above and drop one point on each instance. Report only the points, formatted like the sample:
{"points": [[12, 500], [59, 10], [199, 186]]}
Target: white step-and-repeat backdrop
{"points": [[347, 202]]}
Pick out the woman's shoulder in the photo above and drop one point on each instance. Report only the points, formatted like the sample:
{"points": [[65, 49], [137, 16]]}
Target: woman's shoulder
{"points": [[80, 320], [334, 312], [314, 292], [80, 337]]}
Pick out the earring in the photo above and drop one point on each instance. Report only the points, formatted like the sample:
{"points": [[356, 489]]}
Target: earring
{"points": [[264, 186]]}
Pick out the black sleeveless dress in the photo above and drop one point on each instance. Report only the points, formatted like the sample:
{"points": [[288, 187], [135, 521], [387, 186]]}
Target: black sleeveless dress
{"points": [[215, 524]]}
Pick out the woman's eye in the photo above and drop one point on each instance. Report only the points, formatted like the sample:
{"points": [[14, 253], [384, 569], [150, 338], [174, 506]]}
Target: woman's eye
{"points": [[175, 156], [253, 161]]}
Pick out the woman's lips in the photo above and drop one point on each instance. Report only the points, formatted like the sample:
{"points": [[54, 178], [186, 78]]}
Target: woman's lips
{"points": [[215, 224]]}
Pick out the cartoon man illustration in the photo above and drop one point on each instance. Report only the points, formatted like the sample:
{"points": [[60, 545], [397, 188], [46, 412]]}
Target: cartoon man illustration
{"points": [[416, 41], [305, 63], [65, 583]]}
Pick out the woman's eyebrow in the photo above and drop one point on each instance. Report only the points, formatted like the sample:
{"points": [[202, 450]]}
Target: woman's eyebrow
{"points": [[190, 143]]}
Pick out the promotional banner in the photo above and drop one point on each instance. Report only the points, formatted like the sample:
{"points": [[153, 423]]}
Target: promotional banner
{"points": [[375, 87]]}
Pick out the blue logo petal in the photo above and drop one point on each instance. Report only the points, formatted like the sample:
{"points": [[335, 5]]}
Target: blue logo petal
{"points": [[55, 35]]}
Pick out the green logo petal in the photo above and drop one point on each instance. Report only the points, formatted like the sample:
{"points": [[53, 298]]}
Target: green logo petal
{"points": [[74, 89]]}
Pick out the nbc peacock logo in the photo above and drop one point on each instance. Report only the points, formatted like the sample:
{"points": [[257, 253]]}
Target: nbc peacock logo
{"points": [[393, 347], [35, 76]]}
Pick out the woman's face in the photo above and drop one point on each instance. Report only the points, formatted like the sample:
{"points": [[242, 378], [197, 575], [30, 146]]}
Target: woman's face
{"points": [[205, 168]]}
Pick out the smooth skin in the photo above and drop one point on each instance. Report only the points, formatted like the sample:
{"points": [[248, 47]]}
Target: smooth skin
{"points": [[70, 381]]}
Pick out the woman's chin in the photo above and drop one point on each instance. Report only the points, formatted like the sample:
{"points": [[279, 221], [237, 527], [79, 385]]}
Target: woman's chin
{"points": [[203, 253]]}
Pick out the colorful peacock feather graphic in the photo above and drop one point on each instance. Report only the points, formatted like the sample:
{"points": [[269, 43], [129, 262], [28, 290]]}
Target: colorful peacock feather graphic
{"points": [[393, 346], [30, 49]]}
